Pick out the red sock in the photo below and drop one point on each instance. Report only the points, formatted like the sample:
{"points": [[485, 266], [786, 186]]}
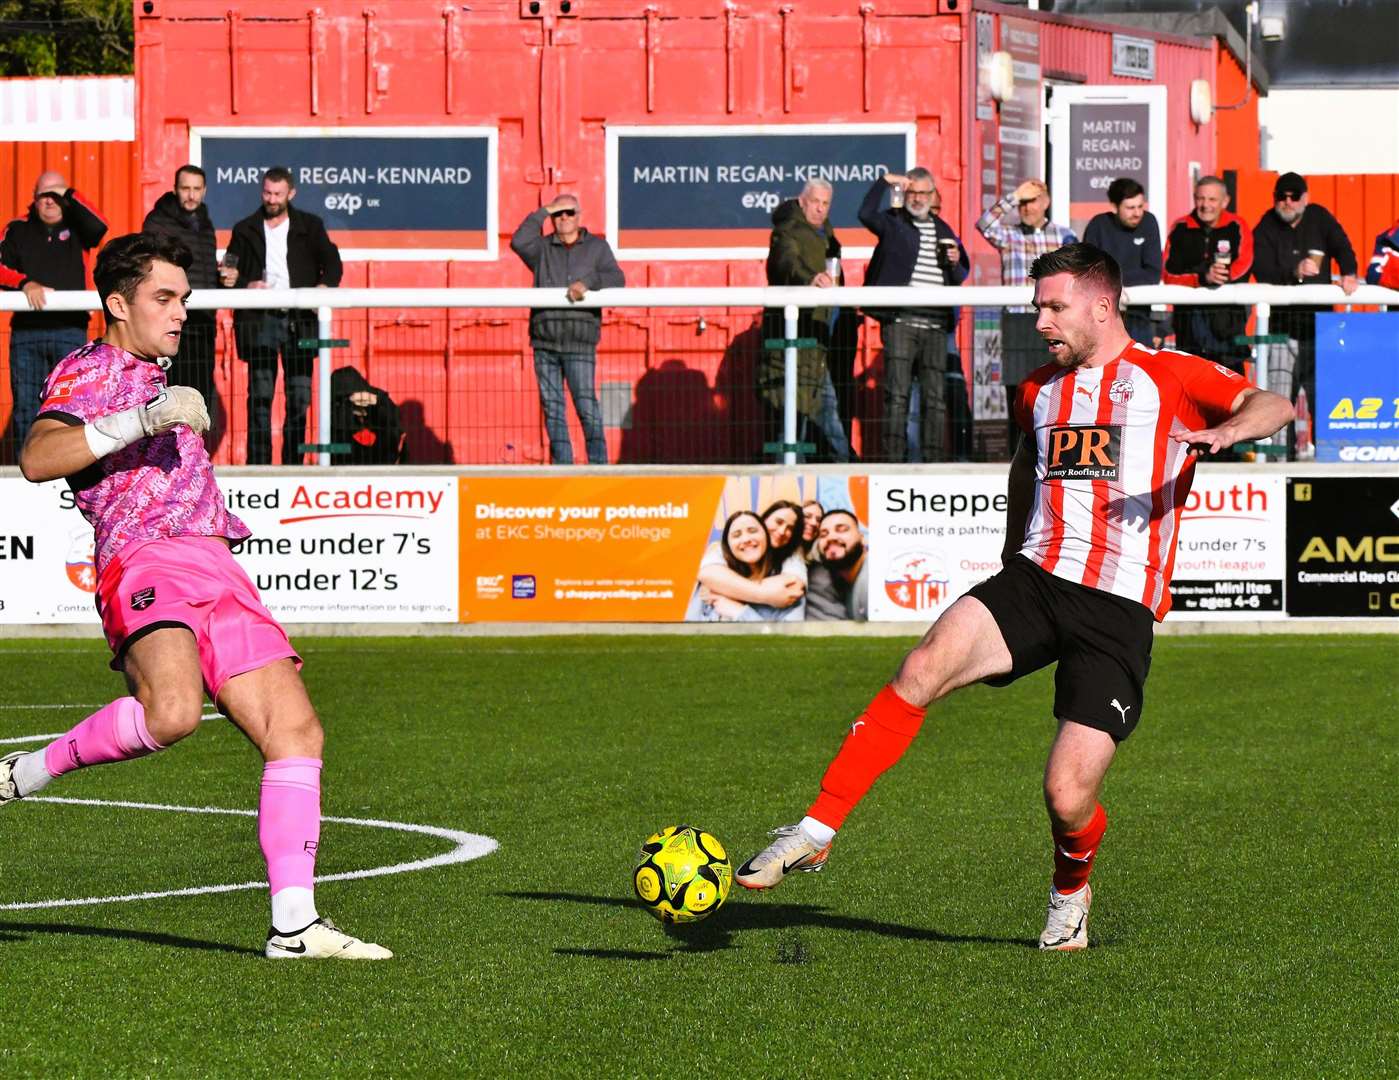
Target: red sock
{"points": [[876, 740], [1074, 853]]}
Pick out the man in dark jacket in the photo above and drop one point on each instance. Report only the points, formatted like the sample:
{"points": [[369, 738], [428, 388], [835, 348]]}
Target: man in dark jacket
{"points": [[916, 247], [181, 215], [1131, 236], [801, 247], [1293, 244], [565, 340], [40, 252], [278, 247], [1209, 247], [365, 419]]}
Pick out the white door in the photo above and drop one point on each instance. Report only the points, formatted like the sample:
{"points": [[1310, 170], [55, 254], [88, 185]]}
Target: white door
{"points": [[1097, 134]]}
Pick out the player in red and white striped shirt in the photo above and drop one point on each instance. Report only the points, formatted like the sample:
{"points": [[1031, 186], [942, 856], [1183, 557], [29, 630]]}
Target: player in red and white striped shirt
{"points": [[1111, 430]]}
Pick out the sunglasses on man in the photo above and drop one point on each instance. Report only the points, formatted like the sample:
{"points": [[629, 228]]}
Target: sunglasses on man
{"points": [[1290, 196]]}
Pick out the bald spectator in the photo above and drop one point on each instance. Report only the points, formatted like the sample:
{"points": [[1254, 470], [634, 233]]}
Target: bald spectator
{"points": [[1207, 248], [42, 252]]}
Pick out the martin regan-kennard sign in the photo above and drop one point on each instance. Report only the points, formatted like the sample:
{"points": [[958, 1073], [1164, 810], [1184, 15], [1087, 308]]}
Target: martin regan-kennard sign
{"points": [[384, 193], [709, 192]]}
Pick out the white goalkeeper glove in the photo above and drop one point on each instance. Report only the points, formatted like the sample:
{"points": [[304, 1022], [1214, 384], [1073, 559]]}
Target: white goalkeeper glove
{"points": [[175, 405]]}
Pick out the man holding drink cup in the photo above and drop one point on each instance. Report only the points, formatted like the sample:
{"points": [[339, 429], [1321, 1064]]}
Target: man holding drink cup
{"points": [[916, 247], [1209, 247], [1294, 244]]}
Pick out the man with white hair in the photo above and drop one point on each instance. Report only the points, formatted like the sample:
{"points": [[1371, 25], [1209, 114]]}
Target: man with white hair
{"points": [[801, 247], [41, 252]]}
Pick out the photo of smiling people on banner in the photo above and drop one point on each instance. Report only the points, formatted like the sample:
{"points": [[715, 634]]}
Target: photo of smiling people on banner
{"points": [[785, 549]]}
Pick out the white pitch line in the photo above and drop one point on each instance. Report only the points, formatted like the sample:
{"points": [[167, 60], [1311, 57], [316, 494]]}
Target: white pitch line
{"points": [[50, 706], [22, 739], [469, 846], [32, 738]]}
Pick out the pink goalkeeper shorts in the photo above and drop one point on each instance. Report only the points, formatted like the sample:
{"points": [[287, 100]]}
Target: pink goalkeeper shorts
{"points": [[194, 582]]}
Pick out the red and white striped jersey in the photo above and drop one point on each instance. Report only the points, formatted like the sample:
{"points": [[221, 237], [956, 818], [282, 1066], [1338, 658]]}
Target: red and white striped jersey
{"points": [[1109, 484]]}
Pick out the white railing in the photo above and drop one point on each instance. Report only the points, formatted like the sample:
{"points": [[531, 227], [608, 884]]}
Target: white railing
{"points": [[326, 301]]}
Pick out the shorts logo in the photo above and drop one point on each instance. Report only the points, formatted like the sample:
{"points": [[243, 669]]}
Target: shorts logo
{"points": [[1121, 391], [309, 847], [1084, 452], [143, 598]]}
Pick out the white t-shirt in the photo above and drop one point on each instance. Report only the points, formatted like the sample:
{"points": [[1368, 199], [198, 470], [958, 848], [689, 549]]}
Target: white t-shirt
{"points": [[275, 272]]}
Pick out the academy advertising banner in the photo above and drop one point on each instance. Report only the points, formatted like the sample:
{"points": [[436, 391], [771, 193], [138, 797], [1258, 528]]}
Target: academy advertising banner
{"points": [[661, 549], [342, 548]]}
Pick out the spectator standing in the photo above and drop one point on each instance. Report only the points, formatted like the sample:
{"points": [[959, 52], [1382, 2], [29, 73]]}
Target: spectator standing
{"points": [[916, 247], [278, 247], [1384, 264], [44, 251], [1131, 236], [802, 250], [181, 215], [1209, 247], [565, 340], [1294, 243], [1022, 348]]}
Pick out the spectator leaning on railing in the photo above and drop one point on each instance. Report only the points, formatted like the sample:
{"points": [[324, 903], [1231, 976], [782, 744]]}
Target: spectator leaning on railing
{"points": [[1209, 247], [181, 215], [565, 341], [916, 247], [1022, 348], [1131, 236], [40, 252], [1293, 244], [278, 247]]}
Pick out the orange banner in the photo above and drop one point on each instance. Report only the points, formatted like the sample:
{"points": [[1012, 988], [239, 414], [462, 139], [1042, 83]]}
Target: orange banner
{"points": [[582, 548]]}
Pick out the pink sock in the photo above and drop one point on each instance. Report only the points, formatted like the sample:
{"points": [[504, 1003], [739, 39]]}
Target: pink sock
{"points": [[289, 821], [115, 732]]}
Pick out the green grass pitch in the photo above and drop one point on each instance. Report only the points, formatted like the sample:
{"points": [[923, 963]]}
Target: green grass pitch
{"points": [[1244, 922]]}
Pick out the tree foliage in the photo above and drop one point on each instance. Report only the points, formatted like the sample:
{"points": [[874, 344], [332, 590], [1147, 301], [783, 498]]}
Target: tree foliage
{"points": [[66, 37]]}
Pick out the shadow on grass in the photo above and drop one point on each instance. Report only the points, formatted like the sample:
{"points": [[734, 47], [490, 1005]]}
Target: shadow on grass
{"points": [[18, 931], [717, 933]]}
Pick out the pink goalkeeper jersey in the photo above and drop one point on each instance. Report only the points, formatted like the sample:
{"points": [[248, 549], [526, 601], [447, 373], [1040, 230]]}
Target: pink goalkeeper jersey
{"points": [[156, 487], [1109, 483]]}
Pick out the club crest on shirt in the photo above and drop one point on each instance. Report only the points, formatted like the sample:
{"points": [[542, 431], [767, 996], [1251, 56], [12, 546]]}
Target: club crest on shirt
{"points": [[143, 598], [63, 388], [1121, 391]]}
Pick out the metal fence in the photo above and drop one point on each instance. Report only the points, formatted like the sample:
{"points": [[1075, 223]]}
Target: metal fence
{"points": [[704, 375]]}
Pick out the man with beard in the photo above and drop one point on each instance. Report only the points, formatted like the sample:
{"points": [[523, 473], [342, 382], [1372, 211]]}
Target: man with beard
{"points": [[916, 247], [278, 247], [1294, 243], [1131, 236], [837, 586], [1110, 433], [181, 215]]}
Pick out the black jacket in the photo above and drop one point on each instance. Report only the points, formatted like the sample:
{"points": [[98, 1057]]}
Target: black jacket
{"points": [[896, 254], [312, 259], [194, 230], [52, 255], [1278, 247], [1137, 251], [588, 259], [372, 432]]}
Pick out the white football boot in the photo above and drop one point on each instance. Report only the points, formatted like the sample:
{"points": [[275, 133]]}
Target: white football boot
{"points": [[793, 850], [9, 790], [322, 940], [1066, 924]]}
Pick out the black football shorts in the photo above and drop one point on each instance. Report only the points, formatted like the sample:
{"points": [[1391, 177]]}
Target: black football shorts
{"points": [[1101, 641]]}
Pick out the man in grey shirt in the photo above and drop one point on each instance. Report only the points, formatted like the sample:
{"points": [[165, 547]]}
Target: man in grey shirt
{"points": [[565, 341], [837, 586]]}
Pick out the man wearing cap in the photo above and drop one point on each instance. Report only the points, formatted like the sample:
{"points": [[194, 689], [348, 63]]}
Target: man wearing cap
{"points": [[1209, 247], [41, 252], [1294, 243]]}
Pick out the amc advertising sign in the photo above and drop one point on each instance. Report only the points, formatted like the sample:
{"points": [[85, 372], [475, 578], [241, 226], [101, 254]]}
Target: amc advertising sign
{"points": [[383, 193], [698, 192]]}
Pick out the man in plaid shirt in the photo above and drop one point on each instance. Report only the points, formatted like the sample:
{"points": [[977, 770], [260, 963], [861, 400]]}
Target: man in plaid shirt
{"points": [[1022, 349]]}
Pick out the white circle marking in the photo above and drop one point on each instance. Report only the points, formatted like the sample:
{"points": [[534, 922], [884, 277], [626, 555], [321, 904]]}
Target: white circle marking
{"points": [[468, 846]]}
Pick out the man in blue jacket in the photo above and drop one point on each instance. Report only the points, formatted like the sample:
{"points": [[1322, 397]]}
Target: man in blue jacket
{"points": [[916, 247], [1131, 236]]}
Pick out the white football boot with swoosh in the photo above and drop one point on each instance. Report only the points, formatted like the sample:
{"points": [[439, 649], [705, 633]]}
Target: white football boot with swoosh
{"points": [[322, 940], [793, 850]]}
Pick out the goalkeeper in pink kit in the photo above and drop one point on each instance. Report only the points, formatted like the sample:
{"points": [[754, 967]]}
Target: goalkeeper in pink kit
{"points": [[181, 616]]}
